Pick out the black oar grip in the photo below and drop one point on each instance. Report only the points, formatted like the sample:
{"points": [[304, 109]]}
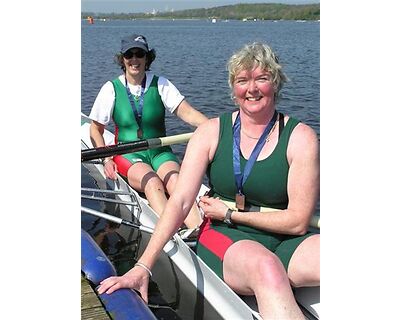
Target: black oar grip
{"points": [[107, 151], [134, 146]]}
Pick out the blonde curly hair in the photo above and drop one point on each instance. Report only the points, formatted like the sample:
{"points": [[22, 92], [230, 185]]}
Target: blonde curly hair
{"points": [[256, 55]]}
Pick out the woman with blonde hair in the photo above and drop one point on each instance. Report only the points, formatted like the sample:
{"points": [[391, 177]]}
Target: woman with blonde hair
{"points": [[263, 169]]}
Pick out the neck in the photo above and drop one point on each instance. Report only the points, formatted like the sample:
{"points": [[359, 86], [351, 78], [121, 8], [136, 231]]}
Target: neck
{"points": [[136, 79], [256, 123]]}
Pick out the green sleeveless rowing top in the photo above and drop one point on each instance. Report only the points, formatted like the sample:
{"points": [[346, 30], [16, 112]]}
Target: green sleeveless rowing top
{"points": [[266, 185], [153, 116]]}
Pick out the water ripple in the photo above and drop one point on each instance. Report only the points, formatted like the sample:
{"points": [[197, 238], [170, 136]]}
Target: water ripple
{"points": [[193, 55]]}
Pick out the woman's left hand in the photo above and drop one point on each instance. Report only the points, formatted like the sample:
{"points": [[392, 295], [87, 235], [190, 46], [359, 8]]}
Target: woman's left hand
{"points": [[136, 278], [213, 208]]}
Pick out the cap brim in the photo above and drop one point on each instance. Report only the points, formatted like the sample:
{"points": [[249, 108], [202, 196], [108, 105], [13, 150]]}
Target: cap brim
{"points": [[138, 45]]}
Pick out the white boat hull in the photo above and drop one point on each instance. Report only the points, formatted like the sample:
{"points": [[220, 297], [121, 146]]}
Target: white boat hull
{"points": [[225, 301]]}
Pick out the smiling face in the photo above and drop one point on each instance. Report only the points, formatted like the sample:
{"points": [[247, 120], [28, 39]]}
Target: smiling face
{"points": [[254, 90], [135, 62], [255, 69]]}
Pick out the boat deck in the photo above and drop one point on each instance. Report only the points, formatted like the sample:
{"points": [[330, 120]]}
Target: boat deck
{"points": [[91, 307]]}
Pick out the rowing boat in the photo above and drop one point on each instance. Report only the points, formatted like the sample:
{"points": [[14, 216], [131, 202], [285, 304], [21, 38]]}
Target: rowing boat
{"points": [[226, 303]]}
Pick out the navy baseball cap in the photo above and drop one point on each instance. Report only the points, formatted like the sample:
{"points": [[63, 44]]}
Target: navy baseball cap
{"points": [[134, 41]]}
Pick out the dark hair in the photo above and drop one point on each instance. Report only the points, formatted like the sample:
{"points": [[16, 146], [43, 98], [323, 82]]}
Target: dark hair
{"points": [[150, 57]]}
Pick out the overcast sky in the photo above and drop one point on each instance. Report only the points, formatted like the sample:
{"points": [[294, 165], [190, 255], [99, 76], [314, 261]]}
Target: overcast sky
{"points": [[128, 6]]}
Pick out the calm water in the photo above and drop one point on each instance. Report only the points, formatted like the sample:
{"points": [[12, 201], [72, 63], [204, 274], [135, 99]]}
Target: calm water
{"points": [[193, 55]]}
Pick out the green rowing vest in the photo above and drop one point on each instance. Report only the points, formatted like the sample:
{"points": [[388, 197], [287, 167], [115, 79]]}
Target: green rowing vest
{"points": [[153, 115], [266, 185]]}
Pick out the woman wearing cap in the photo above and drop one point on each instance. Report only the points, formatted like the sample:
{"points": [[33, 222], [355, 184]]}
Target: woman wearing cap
{"points": [[258, 159], [136, 102]]}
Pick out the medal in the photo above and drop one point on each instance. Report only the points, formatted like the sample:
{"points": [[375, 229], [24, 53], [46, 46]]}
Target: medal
{"points": [[241, 177], [139, 110], [140, 133], [240, 201]]}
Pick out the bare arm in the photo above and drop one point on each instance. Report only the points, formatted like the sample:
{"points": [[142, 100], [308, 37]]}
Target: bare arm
{"points": [[200, 150], [303, 189], [96, 136], [189, 114]]}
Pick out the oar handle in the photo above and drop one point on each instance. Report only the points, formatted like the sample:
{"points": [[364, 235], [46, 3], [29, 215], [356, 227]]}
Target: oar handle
{"points": [[134, 146], [179, 138]]}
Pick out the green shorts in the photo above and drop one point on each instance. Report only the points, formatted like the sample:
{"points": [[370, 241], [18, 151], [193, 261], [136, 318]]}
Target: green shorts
{"points": [[153, 157], [216, 237]]}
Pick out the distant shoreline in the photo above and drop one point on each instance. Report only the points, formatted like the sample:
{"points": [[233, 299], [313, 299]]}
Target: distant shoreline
{"points": [[257, 11], [196, 19]]}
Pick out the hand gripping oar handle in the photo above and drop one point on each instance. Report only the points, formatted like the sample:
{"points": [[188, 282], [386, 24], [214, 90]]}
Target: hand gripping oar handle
{"points": [[116, 219], [134, 146]]}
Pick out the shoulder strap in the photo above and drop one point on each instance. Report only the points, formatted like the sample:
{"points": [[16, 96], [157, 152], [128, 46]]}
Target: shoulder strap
{"points": [[281, 123]]}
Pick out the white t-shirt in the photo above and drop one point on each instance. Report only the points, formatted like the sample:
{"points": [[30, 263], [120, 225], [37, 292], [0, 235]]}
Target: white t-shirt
{"points": [[103, 106]]}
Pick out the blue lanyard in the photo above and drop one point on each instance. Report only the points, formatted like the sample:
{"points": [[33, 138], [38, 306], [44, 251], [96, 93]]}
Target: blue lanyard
{"points": [[240, 178], [139, 110]]}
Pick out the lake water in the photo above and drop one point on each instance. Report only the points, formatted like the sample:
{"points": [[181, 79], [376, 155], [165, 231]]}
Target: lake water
{"points": [[193, 55]]}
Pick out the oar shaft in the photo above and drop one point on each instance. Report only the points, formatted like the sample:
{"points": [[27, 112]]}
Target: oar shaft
{"points": [[114, 219], [134, 146], [128, 203], [107, 151], [95, 190], [102, 215]]}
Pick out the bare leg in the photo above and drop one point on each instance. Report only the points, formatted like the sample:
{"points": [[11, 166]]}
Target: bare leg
{"points": [[142, 178], [304, 266], [168, 172], [250, 269]]}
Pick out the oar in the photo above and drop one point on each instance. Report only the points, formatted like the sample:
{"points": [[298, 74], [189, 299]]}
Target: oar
{"points": [[94, 191], [116, 219], [134, 146]]}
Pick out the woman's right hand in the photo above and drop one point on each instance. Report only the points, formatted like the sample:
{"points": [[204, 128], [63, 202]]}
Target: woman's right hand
{"points": [[110, 169], [213, 208], [136, 278]]}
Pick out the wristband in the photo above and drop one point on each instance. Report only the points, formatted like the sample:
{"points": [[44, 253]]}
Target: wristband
{"points": [[227, 218], [106, 160], [139, 264]]}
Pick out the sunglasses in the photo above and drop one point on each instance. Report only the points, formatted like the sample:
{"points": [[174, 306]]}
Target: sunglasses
{"points": [[138, 53]]}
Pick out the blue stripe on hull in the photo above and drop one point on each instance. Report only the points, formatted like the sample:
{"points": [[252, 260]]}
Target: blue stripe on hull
{"points": [[123, 304]]}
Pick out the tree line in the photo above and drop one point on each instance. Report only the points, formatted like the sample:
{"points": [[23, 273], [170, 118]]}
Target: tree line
{"points": [[259, 11]]}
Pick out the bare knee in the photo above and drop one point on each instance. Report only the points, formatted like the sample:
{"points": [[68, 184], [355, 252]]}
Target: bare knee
{"points": [[170, 181], [142, 178], [168, 172], [304, 266], [152, 183], [270, 272], [249, 267], [305, 278]]}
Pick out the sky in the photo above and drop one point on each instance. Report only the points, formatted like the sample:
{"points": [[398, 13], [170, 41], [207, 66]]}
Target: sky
{"points": [[128, 6]]}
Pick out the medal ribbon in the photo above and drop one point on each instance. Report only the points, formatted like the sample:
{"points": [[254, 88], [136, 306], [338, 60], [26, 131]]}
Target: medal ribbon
{"points": [[240, 178], [137, 111]]}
